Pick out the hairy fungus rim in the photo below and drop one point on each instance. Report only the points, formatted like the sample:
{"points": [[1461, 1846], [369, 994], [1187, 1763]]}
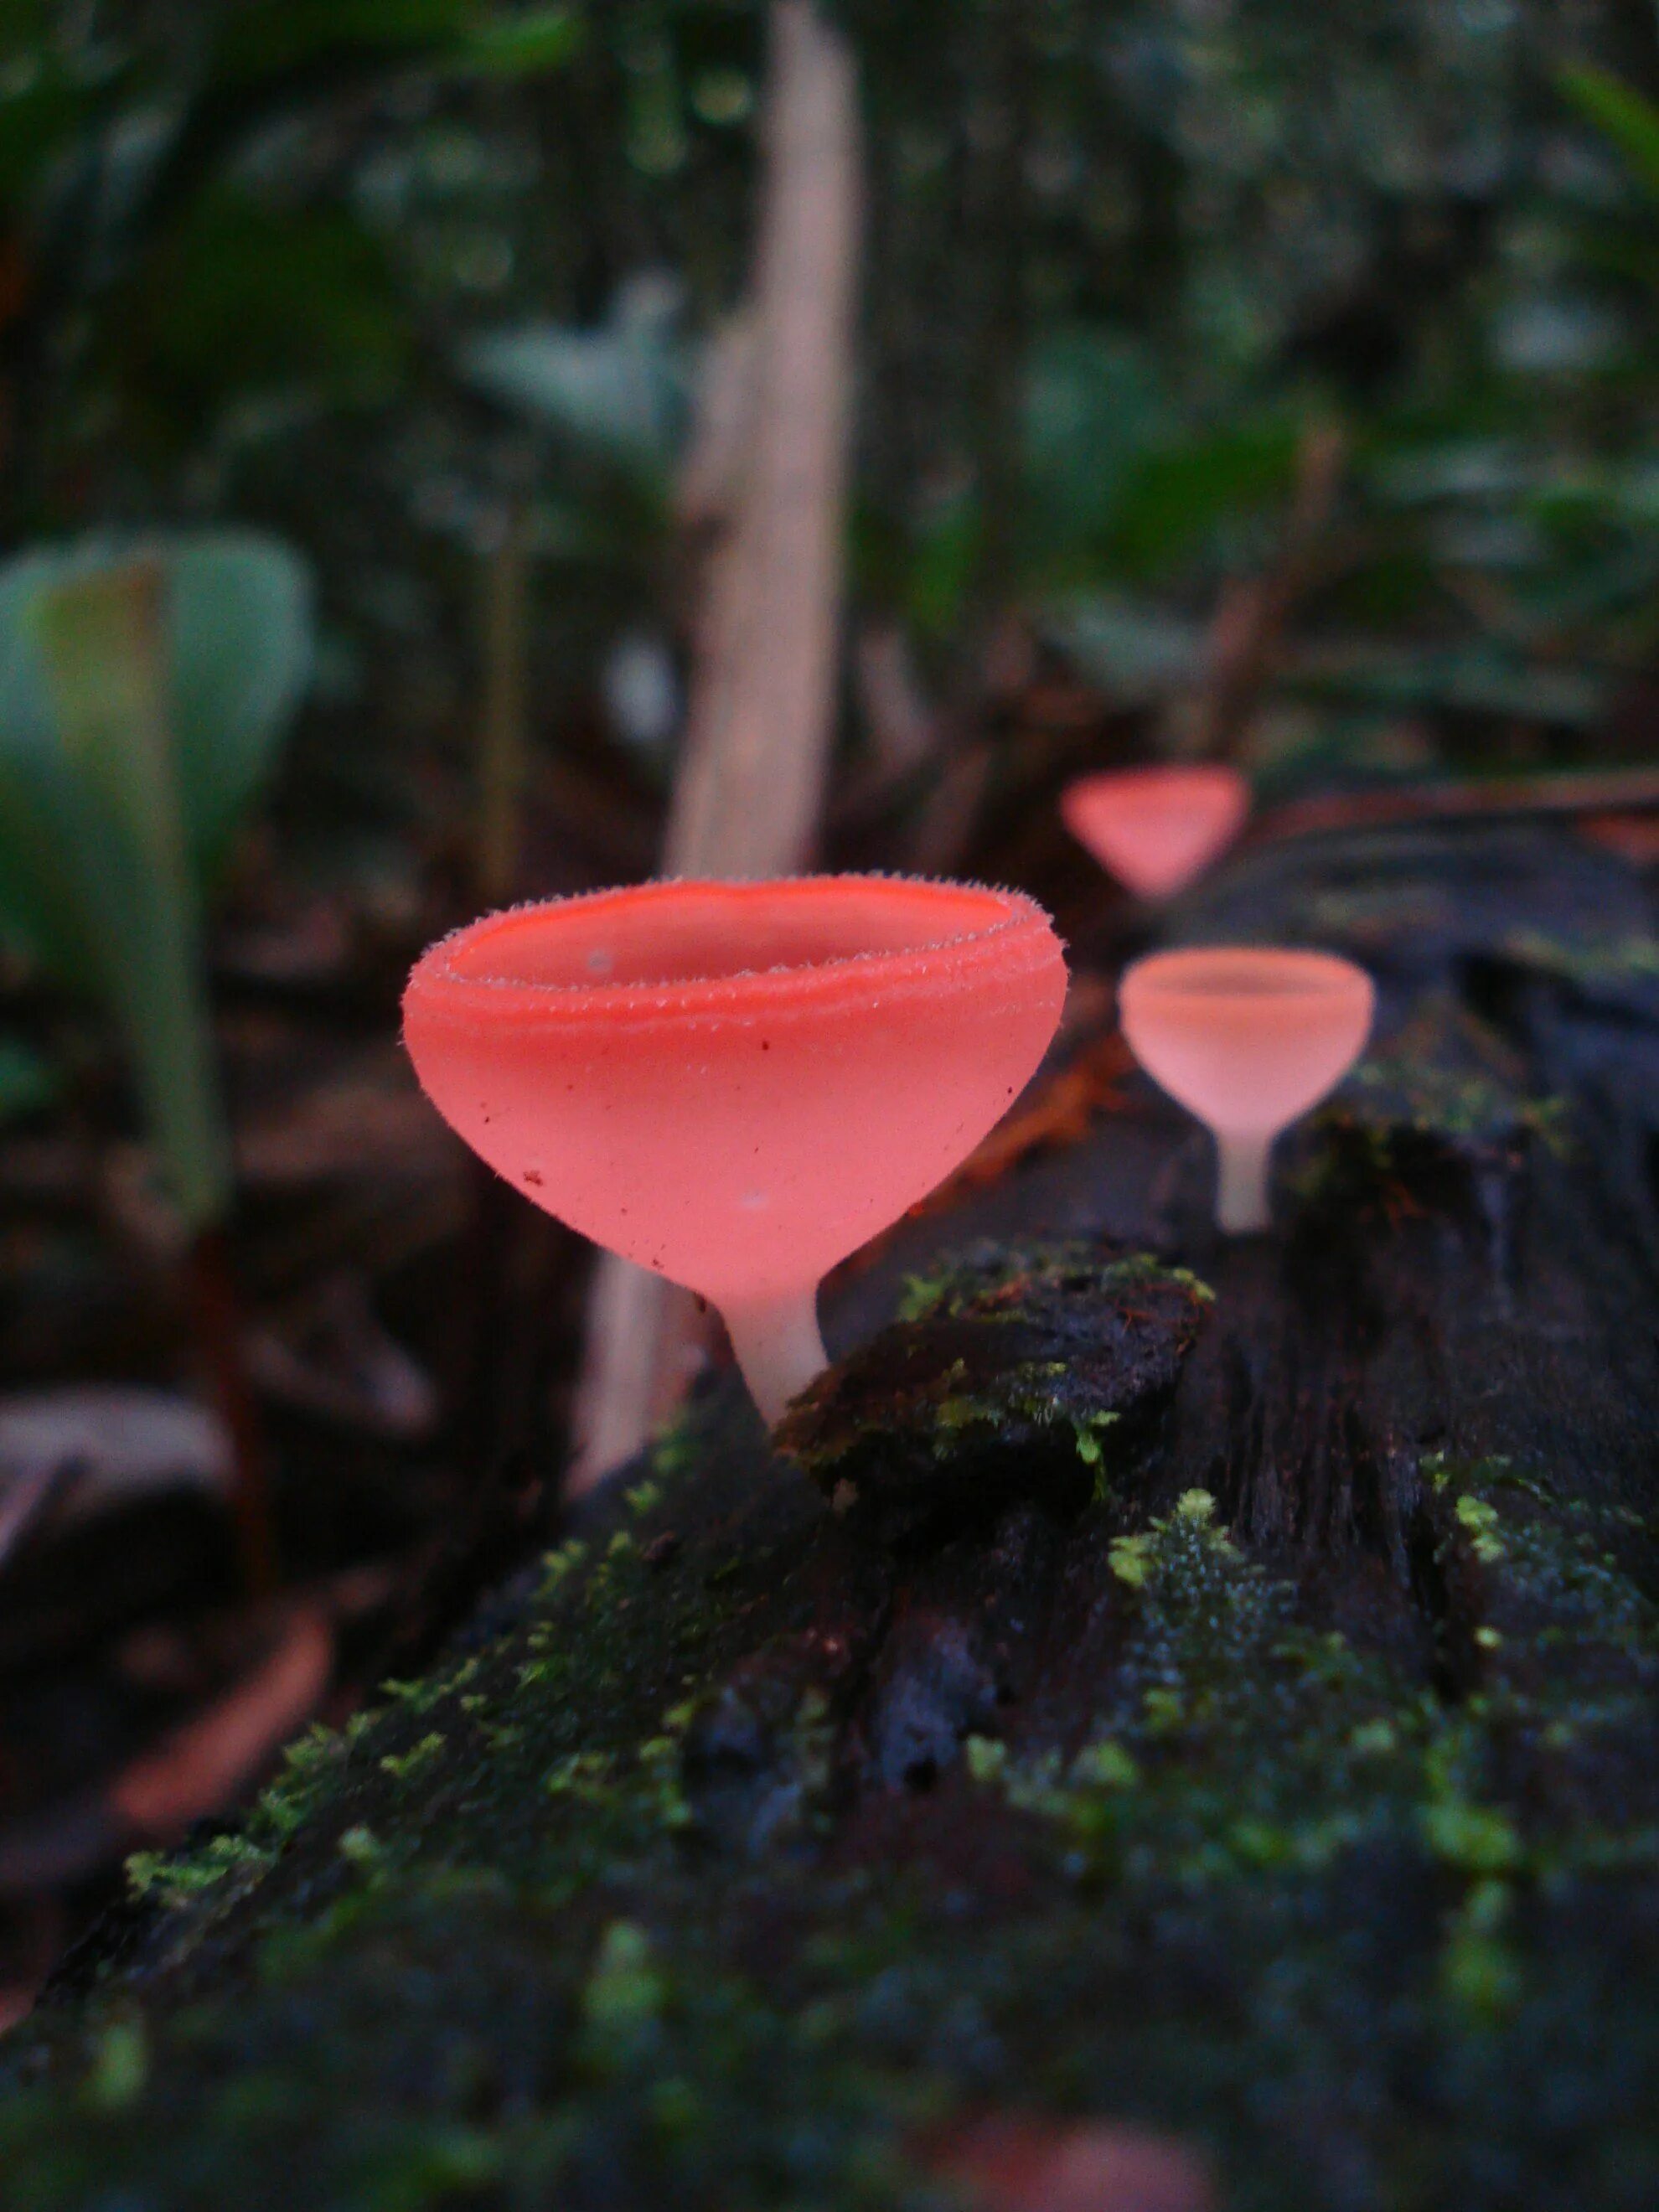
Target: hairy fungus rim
{"points": [[1013, 922]]}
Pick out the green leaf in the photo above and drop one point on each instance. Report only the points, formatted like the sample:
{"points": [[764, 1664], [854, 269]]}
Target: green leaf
{"points": [[944, 553], [43, 905], [619, 390], [1092, 409], [274, 37], [103, 646], [1115, 482], [1175, 498], [1624, 117], [1135, 650], [38, 119], [239, 297], [241, 655], [238, 621], [278, 37], [522, 45], [143, 690]]}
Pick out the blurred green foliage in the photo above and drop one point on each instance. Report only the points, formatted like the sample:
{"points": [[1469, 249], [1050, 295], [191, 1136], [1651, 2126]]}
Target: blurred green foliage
{"points": [[359, 269], [621, 389], [172, 247], [28, 1081], [1627, 120]]}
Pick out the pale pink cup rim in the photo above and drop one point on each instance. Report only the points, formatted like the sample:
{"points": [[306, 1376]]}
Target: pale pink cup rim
{"points": [[1228, 973]]}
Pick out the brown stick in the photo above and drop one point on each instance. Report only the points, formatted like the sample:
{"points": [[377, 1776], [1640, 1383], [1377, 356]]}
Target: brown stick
{"points": [[504, 737], [1578, 792], [751, 786], [216, 1311], [1248, 633], [28, 1499], [758, 738]]}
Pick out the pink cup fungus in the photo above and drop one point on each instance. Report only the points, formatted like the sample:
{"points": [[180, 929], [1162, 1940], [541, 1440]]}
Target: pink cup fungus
{"points": [[1157, 829], [738, 1084], [1248, 1040]]}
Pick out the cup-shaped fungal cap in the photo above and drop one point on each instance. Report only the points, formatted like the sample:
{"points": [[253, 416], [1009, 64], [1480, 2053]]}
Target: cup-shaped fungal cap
{"points": [[1157, 829], [737, 1084], [1247, 1039]]}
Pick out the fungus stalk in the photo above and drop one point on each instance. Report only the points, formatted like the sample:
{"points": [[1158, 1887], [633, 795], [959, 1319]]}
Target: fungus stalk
{"points": [[777, 1344], [1243, 1156]]}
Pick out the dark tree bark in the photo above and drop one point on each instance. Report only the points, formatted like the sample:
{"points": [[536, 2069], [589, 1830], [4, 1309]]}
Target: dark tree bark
{"points": [[1207, 1687]]}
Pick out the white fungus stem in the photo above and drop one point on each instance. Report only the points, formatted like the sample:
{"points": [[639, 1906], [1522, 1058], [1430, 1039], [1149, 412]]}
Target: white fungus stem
{"points": [[778, 1347], [1241, 1204]]}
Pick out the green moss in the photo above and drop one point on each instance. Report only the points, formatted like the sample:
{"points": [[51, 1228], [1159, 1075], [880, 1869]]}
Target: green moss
{"points": [[625, 1993], [402, 1766], [1406, 1092], [1037, 1371], [174, 1879], [115, 2078], [1449, 1095], [1240, 1743], [1613, 960], [1266, 1878], [1481, 1972], [993, 1281]]}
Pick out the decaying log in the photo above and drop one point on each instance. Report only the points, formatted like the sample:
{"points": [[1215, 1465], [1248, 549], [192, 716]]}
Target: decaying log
{"points": [[1181, 1728]]}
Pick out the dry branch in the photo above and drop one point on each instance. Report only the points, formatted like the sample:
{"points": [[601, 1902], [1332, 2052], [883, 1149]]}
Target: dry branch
{"points": [[1247, 637], [767, 485], [1587, 792]]}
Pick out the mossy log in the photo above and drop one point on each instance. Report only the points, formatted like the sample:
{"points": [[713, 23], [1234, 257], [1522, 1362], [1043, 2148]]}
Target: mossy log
{"points": [[1204, 1686]]}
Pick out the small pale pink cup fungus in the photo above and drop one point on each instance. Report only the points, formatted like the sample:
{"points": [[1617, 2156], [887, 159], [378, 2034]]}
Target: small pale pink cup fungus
{"points": [[737, 1084], [1248, 1040], [1157, 829]]}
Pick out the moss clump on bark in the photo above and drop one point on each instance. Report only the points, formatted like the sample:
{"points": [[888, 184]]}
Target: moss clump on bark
{"points": [[1010, 1373]]}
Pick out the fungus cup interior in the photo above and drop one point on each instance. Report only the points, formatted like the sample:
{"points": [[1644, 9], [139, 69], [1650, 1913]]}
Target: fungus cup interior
{"points": [[1248, 1040], [1157, 829], [737, 1084]]}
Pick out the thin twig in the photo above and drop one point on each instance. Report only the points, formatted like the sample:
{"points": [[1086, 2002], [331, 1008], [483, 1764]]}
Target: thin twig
{"points": [[27, 1498], [504, 735], [1248, 634], [750, 790], [217, 1312]]}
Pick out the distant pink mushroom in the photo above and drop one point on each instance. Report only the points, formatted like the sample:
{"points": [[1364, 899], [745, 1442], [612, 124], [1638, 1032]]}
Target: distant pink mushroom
{"points": [[1157, 829], [1015, 2163], [737, 1084], [1248, 1040]]}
